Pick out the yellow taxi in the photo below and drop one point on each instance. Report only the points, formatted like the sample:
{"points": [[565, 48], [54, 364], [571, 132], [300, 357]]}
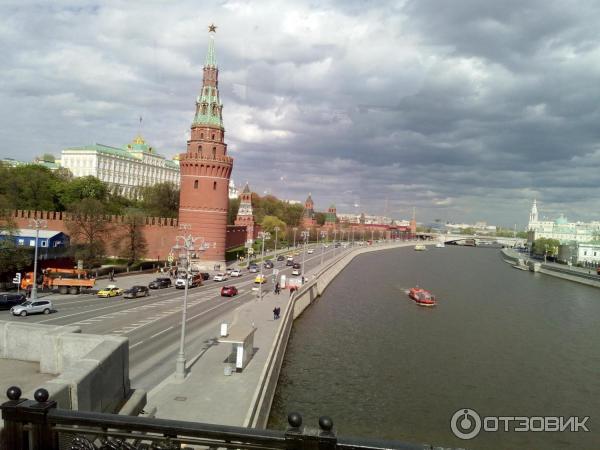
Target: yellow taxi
{"points": [[260, 279], [110, 291]]}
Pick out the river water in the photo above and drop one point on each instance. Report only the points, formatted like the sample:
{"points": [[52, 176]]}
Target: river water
{"points": [[501, 341]]}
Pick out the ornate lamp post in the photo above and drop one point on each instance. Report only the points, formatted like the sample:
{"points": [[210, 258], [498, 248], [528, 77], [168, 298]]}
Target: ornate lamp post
{"points": [[265, 236], [305, 235], [324, 234], [37, 224], [334, 236], [184, 245]]}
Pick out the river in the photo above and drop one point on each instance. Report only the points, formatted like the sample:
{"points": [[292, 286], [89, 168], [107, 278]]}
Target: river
{"points": [[503, 342]]}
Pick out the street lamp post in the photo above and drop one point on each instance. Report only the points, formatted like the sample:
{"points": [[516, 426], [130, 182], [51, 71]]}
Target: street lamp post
{"points": [[265, 236], [372, 240], [323, 235], [186, 246], [295, 229], [334, 236], [276, 230], [37, 224], [305, 235]]}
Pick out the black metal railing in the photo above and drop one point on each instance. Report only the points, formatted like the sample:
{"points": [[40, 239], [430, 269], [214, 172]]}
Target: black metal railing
{"points": [[39, 425]]}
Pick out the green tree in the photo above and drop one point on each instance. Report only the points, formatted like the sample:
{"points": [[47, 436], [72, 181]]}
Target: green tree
{"points": [[32, 187], [546, 246], [160, 200], [270, 222], [83, 187], [133, 242], [88, 229], [320, 217]]}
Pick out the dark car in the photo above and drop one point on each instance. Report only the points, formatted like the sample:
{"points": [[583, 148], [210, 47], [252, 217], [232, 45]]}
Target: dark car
{"points": [[228, 291], [280, 258], [160, 283], [8, 300], [136, 291], [205, 275], [296, 266], [289, 262], [253, 268], [268, 264]]}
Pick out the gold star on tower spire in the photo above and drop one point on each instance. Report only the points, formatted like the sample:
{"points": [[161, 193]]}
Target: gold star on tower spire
{"points": [[212, 28]]}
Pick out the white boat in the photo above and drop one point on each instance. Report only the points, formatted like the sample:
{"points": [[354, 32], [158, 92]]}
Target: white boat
{"points": [[519, 266], [420, 247], [440, 245]]}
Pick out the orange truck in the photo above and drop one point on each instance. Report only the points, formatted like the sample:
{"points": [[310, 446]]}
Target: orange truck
{"points": [[66, 281]]}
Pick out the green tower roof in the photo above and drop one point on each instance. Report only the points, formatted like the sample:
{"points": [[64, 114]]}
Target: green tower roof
{"points": [[211, 58]]}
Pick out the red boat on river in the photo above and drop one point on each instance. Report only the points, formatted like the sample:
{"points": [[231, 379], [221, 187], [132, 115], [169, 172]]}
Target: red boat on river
{"points": [[422, 297]]}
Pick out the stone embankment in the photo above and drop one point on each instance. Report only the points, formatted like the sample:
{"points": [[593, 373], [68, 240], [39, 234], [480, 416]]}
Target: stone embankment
{"points": [[570, 273]]}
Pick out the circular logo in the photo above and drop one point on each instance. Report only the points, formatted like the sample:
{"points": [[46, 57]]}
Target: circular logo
{"points": [[465, 423]]}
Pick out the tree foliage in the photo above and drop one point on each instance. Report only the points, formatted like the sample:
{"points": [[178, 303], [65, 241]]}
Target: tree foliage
{"points": [[232, 210], [160, 200], [546, 246], [12, 257], [270, 222], [133, 242], [88, 227]]}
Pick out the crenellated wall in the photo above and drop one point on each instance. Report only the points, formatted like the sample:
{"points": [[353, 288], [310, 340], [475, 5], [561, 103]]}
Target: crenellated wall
{"points": [[160, 232]]}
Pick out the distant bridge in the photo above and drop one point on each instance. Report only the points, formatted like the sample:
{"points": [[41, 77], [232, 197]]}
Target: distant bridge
{"points": [[474, 240]]}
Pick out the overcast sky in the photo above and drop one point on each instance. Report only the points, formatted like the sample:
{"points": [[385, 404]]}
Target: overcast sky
{"points": [[465, 109]]}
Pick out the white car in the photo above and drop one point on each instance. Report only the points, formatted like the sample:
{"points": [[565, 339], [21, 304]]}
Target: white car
{"points": [[296, 272], [32, 307], [310, 251], [220, 277], [236, 273]]}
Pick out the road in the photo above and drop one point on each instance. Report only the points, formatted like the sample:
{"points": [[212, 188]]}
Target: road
{"points": [[153, 323]]}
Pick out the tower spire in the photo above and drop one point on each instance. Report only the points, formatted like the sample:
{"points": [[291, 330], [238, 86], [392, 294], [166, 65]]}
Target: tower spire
{"points": [[211, 59], [208, 104]]}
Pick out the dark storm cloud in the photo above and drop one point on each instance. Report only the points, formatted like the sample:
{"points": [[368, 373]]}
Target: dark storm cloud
{"points": [[466, 110]]}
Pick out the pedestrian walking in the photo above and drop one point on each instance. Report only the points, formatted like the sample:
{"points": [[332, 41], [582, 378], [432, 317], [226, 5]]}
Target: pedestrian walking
{"points": [[274, 313], [277, 312]]}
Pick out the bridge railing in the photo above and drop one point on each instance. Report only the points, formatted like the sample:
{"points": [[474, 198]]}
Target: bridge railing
{"points": [[39, 425]]}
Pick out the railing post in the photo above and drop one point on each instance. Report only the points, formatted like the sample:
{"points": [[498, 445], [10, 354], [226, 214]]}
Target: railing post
{"points": [[327, 437], [13, 436], [42, 436], [294, 434]]}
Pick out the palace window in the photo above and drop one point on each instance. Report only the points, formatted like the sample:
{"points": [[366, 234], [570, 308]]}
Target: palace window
{"points": [[214, 152], [196, 184], [214, 185]]}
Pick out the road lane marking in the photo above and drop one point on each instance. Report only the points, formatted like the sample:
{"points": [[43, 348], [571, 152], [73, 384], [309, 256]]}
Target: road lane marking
{"points": [[136, 344], [160, 332]]}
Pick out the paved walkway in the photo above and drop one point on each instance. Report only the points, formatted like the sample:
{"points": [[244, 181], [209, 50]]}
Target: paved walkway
{"points": [[207, 394]]}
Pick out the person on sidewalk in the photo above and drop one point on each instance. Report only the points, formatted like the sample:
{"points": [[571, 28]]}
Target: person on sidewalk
{"points": [[278, 309], [275, 313]]}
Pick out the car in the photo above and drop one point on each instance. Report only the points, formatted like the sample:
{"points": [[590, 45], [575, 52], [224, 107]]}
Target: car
{"points": [[310, 251], [260, 279], [32, 307], [268, 264], [253, 268], [296, 266], [8, 300], [289, 262], [280, 258], [194, 280], [160, 283], [236, 273], [296, 253], [221, 276], [296, 272], [110, 291], [205, 275], [337, 245], [228, 291], [136, 291], [325, 246]]}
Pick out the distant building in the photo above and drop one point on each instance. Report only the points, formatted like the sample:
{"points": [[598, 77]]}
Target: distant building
{"points": [[126, 170], [25, 237], [560, 229], [308, 217], [233, 191], [245, 215]]}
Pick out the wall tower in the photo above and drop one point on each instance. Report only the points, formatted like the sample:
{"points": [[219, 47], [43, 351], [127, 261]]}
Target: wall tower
{"points": [[206, 168], [245, 215]]}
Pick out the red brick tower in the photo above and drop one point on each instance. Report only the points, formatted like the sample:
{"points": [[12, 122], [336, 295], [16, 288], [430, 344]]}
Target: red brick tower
{"points": [[245, 215], [206, 168], [308, 217]]}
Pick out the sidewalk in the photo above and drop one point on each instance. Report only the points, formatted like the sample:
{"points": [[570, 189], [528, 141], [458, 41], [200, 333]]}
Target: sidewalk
{"points": [[207, 394]]}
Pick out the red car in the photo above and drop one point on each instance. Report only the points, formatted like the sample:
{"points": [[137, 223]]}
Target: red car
{"points": [[228, 291]]}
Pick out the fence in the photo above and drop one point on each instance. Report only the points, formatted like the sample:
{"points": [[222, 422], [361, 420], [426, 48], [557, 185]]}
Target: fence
{"points": [[39, 425]]}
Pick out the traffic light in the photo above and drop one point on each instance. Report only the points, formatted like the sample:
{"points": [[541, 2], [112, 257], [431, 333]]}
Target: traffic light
{"points": [[17, 279]]}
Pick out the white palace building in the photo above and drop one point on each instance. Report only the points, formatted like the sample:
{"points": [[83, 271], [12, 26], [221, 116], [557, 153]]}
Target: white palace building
{"points": [[126, 170], [581, 236]]}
